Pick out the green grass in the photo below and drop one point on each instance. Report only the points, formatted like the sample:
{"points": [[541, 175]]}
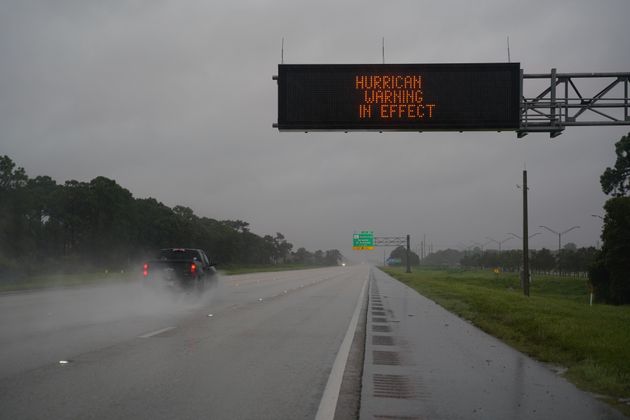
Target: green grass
{"points": [[62, 280], [554, 325]]}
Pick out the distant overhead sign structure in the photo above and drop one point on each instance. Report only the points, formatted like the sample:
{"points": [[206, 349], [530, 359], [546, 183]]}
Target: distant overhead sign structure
{"points": [[399, 97], [363, 241]]}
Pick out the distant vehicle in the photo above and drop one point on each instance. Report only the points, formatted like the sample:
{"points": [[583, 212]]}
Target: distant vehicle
{"points": [[182, 268], [393, 261]]}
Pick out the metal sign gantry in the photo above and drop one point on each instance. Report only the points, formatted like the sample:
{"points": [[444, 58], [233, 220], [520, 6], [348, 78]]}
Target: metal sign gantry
{"points": [[390, 241], [396, 241], [478, 96], [562, 104]]}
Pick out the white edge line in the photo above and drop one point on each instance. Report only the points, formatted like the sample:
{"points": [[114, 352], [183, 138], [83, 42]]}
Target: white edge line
{"points": [[328, 403], [152, 333]]}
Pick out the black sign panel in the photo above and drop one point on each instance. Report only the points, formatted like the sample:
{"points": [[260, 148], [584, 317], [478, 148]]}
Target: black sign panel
{"points": [[415, 97]]}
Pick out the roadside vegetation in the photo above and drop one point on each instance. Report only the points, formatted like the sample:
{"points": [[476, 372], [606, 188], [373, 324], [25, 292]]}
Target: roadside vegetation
{"points": [[570, 260], [85, 227], [555, 324], [44, 281], [610, 274]]}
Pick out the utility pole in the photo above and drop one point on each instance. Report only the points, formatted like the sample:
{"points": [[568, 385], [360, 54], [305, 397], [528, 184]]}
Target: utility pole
{"points": [[408, 254], [525, 278]]}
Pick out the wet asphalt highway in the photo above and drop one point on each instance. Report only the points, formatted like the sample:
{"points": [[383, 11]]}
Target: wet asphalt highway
{"points": [[266, 352], [138, 355]]}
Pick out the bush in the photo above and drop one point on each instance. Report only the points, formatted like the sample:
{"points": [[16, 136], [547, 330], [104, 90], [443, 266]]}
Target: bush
{"points": [[616, 250], [599, 280]]}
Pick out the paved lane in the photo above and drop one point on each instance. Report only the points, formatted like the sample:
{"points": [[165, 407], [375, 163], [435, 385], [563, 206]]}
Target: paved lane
{"points": [[422, 362], [251, 359]]}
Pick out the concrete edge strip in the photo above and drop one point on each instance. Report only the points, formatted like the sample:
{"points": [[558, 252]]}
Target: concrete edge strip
{"points": [[328, 403]]}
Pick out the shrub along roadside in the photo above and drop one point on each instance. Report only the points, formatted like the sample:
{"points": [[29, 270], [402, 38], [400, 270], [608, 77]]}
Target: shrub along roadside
{"points": [[555, 325]]}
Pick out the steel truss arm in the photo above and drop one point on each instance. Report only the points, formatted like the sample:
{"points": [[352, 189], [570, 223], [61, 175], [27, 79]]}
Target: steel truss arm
{"points": [[390, 240], [562, 103]]}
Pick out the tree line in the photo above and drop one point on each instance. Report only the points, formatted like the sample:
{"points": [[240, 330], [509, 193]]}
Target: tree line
{"points": [[77, 226], [570, 260], [610, 274]]}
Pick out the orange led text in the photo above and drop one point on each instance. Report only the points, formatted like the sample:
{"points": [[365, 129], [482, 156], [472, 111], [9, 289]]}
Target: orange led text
{"points": [[392, 97]]}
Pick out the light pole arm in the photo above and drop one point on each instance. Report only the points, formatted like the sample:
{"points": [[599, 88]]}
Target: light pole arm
{"points": [[570, 229], [550, 230], [492, 240]]}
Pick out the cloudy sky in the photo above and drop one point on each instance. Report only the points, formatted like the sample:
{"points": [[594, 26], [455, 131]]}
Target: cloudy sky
{"points": [[174, 100]]}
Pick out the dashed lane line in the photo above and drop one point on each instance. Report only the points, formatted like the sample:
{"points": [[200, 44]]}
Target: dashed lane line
{"points": [[157, 332]]}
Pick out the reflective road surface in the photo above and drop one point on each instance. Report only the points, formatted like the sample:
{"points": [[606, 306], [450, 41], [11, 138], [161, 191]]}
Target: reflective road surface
{"points": [[263, 346]]}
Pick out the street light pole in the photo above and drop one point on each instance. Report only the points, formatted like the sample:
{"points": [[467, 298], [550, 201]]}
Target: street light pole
{"points": [[480, 245], [559, 241], [499, 243], [520, 237]]}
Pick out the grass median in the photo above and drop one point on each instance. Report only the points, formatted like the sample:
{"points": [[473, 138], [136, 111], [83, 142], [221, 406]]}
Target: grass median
{"points": [[46, 281], [554, 325]]}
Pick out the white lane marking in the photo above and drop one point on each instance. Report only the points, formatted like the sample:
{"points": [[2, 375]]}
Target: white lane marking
{"points": [[328, 404], [153, 333]]}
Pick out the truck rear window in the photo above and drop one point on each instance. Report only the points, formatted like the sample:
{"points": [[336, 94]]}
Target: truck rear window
{"points": [[178, 254]]}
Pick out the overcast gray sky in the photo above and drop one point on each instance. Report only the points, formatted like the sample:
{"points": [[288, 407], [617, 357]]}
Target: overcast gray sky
{"points": [[174, 100]]}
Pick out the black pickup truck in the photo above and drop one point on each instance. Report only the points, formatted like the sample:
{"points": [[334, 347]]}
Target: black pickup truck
{"points": [[182, 268]]}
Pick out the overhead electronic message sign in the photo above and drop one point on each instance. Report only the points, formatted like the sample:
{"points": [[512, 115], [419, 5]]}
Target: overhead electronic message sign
{"points": [[413, 97]]}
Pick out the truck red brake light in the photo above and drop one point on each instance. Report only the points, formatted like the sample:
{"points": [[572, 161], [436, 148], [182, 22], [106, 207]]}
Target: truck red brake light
{"points": [[193, 268], [145, 269]]}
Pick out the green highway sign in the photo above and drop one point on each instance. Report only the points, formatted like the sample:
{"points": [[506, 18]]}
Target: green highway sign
{"points": [[363, 241]]}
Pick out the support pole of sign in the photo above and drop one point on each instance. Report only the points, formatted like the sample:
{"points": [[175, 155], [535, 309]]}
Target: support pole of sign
{"points": [[552, 110], [408, 254], [525, 278]]}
